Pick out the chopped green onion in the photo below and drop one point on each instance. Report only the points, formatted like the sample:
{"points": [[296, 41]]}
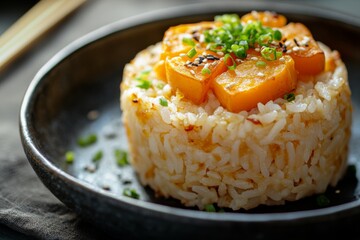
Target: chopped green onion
{"points": [[278, 54], [121, 157], [191, 53], [277, 35], [160, 85], [233, 36], [143, 80], [188, 41], [265, 40], [244, 44], [97, 156], [227, 18], [87, 140], [205, 71], [145, 72], [233, 66], [144, 84], [239, 50], [322, 200], [209, 208], [163, 102], [260, 64], [289, 97], [129, 192], [269, 53], [69, 157]]}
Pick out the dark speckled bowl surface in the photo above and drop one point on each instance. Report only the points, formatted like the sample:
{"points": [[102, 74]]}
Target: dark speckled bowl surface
{"points": [[77, 93]]}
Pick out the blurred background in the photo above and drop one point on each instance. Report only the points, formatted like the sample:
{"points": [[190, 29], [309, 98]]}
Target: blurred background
{"points": [[10, 11], [14, 82]]}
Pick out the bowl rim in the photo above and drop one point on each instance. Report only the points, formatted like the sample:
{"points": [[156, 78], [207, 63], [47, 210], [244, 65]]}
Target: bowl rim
{"points": [[26, 127]]}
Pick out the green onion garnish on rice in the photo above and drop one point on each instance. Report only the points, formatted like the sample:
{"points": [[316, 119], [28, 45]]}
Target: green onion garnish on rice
{"points": [[144, 84], [163, 102], [143, 80], [160, 85]]}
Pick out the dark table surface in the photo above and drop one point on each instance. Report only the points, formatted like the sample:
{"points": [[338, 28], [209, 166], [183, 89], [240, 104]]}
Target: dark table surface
{"points": [[13, 84]]}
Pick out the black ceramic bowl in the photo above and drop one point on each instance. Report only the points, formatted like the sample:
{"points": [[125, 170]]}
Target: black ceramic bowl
{"points": [[77, 93]]}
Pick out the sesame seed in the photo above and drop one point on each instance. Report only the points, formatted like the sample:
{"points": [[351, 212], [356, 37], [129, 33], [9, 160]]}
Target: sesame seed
{"points": [[257, 49], [192, 72], [337, 191], [287, 43], [282, 59], [288, 51], [202, 38], [296, 42], [220, 53], [254, 58], [302, 48], [206, 65], [260, 74], [205, 60], [182, 54], [296, 48], [305, 40]]}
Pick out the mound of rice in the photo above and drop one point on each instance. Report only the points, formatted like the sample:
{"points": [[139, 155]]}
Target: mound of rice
{"points": [[204, 154]]}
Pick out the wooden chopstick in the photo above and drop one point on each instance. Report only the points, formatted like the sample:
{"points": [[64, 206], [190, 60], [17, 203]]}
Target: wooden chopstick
{"points": [[32, 26]]}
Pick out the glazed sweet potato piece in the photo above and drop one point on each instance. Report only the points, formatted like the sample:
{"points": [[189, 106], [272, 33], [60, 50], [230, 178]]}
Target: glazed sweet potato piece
{"points": [[301, 46], [179, 40], [267, 18], [191, 78], [249, 84]]}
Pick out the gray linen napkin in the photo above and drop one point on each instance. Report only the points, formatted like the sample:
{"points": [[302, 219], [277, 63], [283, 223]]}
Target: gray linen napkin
{"points": [[28, 207]]}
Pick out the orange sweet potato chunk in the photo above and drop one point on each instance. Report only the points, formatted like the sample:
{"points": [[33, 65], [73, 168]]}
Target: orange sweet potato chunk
{"points": [[190, 79], [308, 56], [247, 85], [267, 18]]}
